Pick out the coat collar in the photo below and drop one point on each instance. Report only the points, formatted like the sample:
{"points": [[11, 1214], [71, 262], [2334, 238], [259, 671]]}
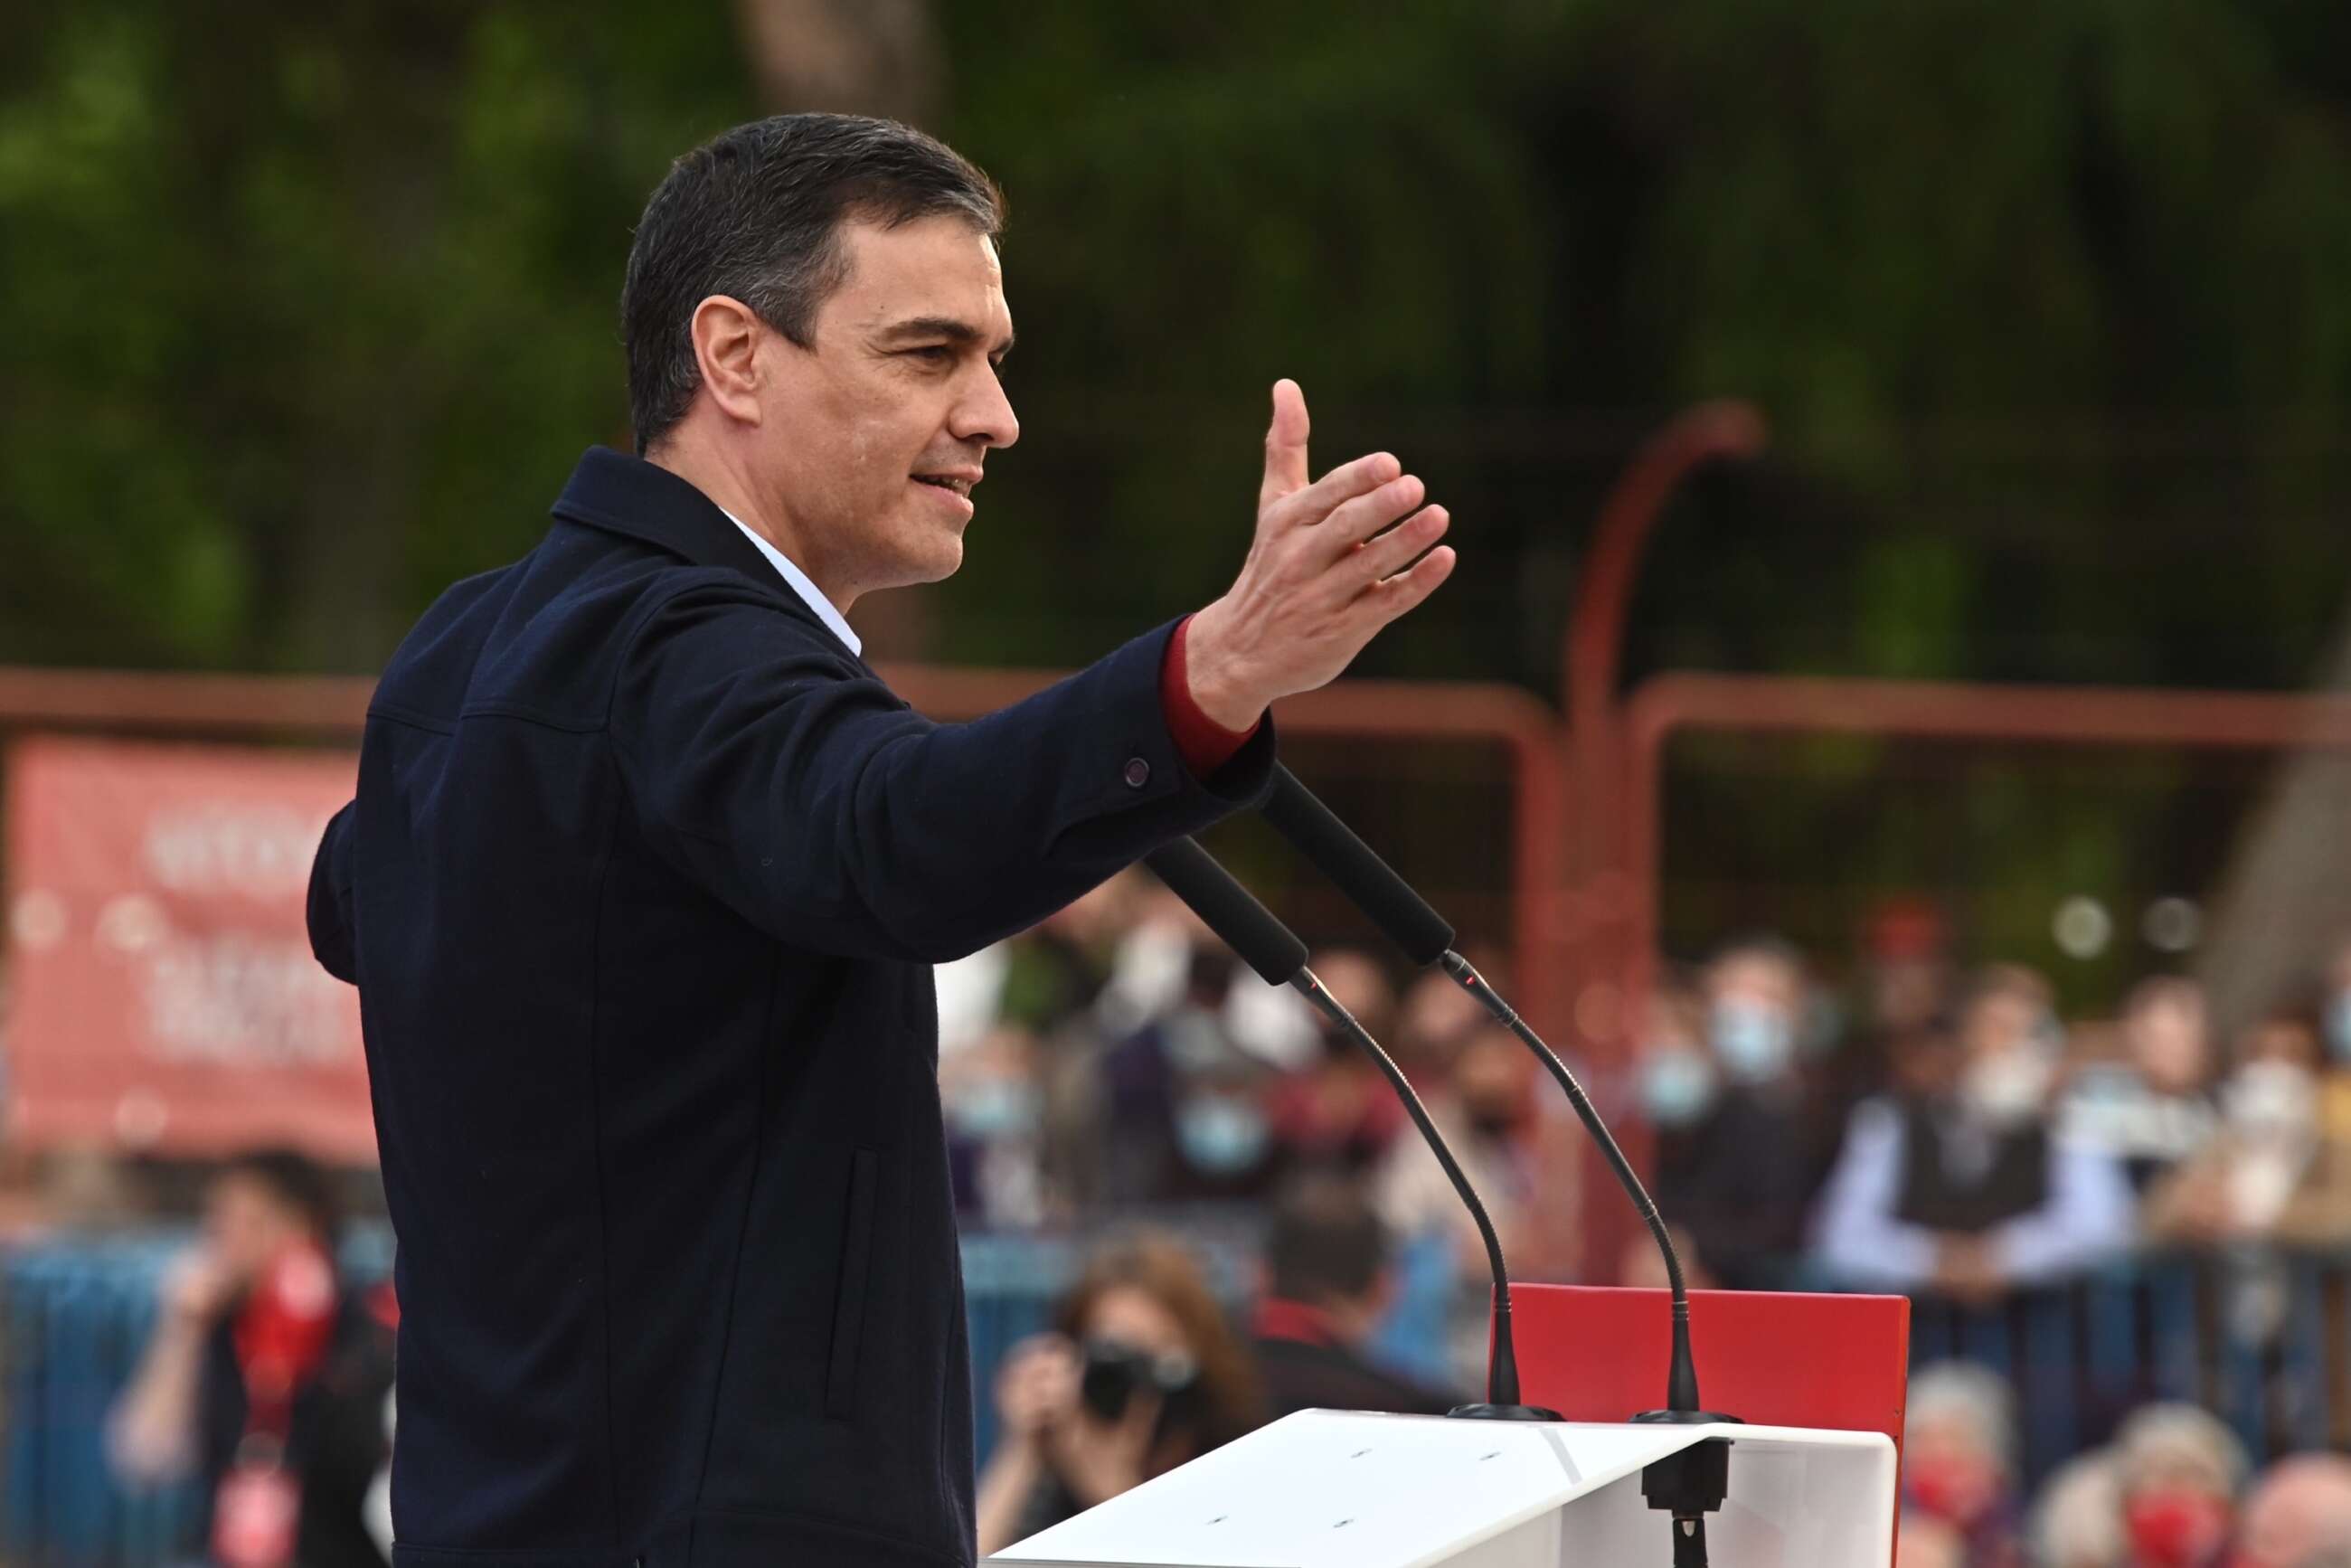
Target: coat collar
{"points": [[624, 495]]}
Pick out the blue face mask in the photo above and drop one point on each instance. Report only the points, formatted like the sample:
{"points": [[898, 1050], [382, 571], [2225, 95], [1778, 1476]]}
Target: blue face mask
{"points": [[1221, 1137], [1754, 1043], [995, 1108], [2339, 1026], [1676, 1085]]}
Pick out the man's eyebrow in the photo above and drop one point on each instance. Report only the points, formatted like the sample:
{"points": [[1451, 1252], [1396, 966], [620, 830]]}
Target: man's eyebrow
{"points": [[955, 330]]}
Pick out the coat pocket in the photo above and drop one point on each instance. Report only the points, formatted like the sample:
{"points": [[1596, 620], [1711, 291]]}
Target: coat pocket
{"points": [[849, 1307]]}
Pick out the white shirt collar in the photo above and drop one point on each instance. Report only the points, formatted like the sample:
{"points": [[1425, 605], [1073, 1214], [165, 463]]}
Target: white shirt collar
{"points": [[798, 580]]}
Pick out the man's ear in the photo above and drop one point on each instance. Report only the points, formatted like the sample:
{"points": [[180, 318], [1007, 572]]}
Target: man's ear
{"points": [[727, 335]]}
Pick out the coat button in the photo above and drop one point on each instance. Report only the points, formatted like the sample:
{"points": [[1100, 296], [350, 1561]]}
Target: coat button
{"points": [[1138, 773]]}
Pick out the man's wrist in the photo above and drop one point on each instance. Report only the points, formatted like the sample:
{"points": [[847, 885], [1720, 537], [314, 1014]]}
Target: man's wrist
{"points": [[1210, 678]]}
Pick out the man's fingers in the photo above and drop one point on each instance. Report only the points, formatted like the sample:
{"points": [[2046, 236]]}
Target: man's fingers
{"points": [[1285, 445], [1392, 597], [1342, 484], [1394, 550], [1357, 520]]}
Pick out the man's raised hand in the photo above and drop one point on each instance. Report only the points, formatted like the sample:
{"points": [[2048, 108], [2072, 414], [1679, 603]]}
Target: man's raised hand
{"points": [[1318, 585]]}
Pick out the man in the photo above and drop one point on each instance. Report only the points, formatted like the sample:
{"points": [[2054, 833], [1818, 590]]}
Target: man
{"points": [[647, 870], [1734, 1173], [1956, 1181], [1325, 1285], [264, 1381]]}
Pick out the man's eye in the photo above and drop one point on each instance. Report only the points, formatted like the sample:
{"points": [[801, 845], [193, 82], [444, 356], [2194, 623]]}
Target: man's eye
{"points": [[937, 354]]}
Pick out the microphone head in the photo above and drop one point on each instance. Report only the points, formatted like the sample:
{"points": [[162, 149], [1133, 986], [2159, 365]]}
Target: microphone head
{"points": [[1356, 869], [1240, 921]]}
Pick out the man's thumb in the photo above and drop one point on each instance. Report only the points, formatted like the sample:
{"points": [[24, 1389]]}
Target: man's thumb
{"points": [[1285, 443]]}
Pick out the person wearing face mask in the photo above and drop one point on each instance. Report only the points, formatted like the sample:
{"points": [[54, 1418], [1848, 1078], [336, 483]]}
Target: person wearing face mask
{"points": [[1140, 1372], [2154, 1108], [2178, 1471], [1225, 1150], [2280, 1169], [993, 1104], [1337, 1110], [1955, 1180], [1485, 1109], [1958, 1461], [1717, 1078], [1186, 1118]]}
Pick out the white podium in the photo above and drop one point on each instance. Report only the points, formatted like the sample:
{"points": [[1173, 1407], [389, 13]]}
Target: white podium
{"points": [[1336, 1487]]}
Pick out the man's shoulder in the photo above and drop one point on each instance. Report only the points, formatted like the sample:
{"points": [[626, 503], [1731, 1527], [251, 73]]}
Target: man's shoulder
{"points": [[547, 634]]}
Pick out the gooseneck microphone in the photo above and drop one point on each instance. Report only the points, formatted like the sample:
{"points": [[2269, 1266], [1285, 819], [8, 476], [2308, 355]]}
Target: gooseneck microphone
{"points": [[1693, 1483], [1406, 920], [1274, 951]]}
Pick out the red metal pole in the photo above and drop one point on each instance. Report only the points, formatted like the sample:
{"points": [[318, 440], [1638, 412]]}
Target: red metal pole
{"points": [[1599, 971], [1598, 898]]}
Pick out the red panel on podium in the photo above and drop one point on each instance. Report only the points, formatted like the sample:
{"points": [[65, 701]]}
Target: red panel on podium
{"points": [[1773, 1357]]}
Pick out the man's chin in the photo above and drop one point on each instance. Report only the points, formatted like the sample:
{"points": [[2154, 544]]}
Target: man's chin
{"points": [[933, 560], [940, 561]]}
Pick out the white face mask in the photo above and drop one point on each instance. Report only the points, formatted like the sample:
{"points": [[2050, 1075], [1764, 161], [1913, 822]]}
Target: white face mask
{"points": [[1754, 1043], [2009, 1086], [2265, 1099], [1676, 1085]]}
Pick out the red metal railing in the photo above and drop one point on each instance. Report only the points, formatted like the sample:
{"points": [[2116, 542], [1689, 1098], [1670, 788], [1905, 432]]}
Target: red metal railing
{"points": [[332, 707], [2070, 716]]}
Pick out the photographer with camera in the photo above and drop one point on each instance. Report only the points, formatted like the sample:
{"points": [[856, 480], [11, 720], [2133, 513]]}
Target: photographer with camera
{"points": [[1140, 1373]]}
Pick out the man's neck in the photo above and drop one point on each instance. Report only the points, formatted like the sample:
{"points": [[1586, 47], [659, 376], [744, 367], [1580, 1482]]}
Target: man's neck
{"points": [[708, 471]]}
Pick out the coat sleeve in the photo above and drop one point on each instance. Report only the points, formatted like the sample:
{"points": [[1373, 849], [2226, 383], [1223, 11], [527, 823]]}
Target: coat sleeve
{"points": [[331, 899], [792, 784]]}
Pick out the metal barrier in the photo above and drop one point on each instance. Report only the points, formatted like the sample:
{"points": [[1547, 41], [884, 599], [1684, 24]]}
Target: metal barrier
{"points": [[72, 1321], [2258, 1337], [75, 1315], [2261, 1338]]}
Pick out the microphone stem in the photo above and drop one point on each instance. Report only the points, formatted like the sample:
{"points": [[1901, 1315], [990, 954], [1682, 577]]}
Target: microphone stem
{"points": [[1681, 1385], [1502, 1370]]}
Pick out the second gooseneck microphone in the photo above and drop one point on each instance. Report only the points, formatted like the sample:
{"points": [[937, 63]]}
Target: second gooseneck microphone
{"points": [[1687, 1485], [1274, 951], [1405, 918]]}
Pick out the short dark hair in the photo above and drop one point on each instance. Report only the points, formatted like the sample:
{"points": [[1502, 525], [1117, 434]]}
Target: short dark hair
{"points": [[293, 1179], [755, 214], [1325, 1243]]}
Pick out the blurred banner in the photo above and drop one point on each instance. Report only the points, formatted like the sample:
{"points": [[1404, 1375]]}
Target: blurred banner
{"points": [[166, 999]]}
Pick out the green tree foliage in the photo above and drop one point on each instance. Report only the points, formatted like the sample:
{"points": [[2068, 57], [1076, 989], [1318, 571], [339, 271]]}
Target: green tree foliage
{"points": [[305, 307], [307, 310]]}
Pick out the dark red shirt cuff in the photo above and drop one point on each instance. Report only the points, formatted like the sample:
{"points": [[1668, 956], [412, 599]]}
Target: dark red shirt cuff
{"points": [[1204, 744]]}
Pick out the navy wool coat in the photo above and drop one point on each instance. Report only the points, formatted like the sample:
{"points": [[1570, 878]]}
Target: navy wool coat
{"points": [[641, 891]]}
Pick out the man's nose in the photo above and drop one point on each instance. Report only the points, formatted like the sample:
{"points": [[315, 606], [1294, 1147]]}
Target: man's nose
{"points": [[986, 414]]}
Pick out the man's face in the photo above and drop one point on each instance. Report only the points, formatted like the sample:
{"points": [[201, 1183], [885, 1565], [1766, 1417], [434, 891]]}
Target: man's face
{"points": [[873, 436]]}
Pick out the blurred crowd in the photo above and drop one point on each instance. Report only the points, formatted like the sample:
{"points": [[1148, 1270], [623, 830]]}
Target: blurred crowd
{"points": [[1926, 1130], [2173, 1490], [1933, 1129], [1113, 1072]]}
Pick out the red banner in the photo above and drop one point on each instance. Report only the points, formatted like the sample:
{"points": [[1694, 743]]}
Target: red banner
{"points": [[165, 997]]}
